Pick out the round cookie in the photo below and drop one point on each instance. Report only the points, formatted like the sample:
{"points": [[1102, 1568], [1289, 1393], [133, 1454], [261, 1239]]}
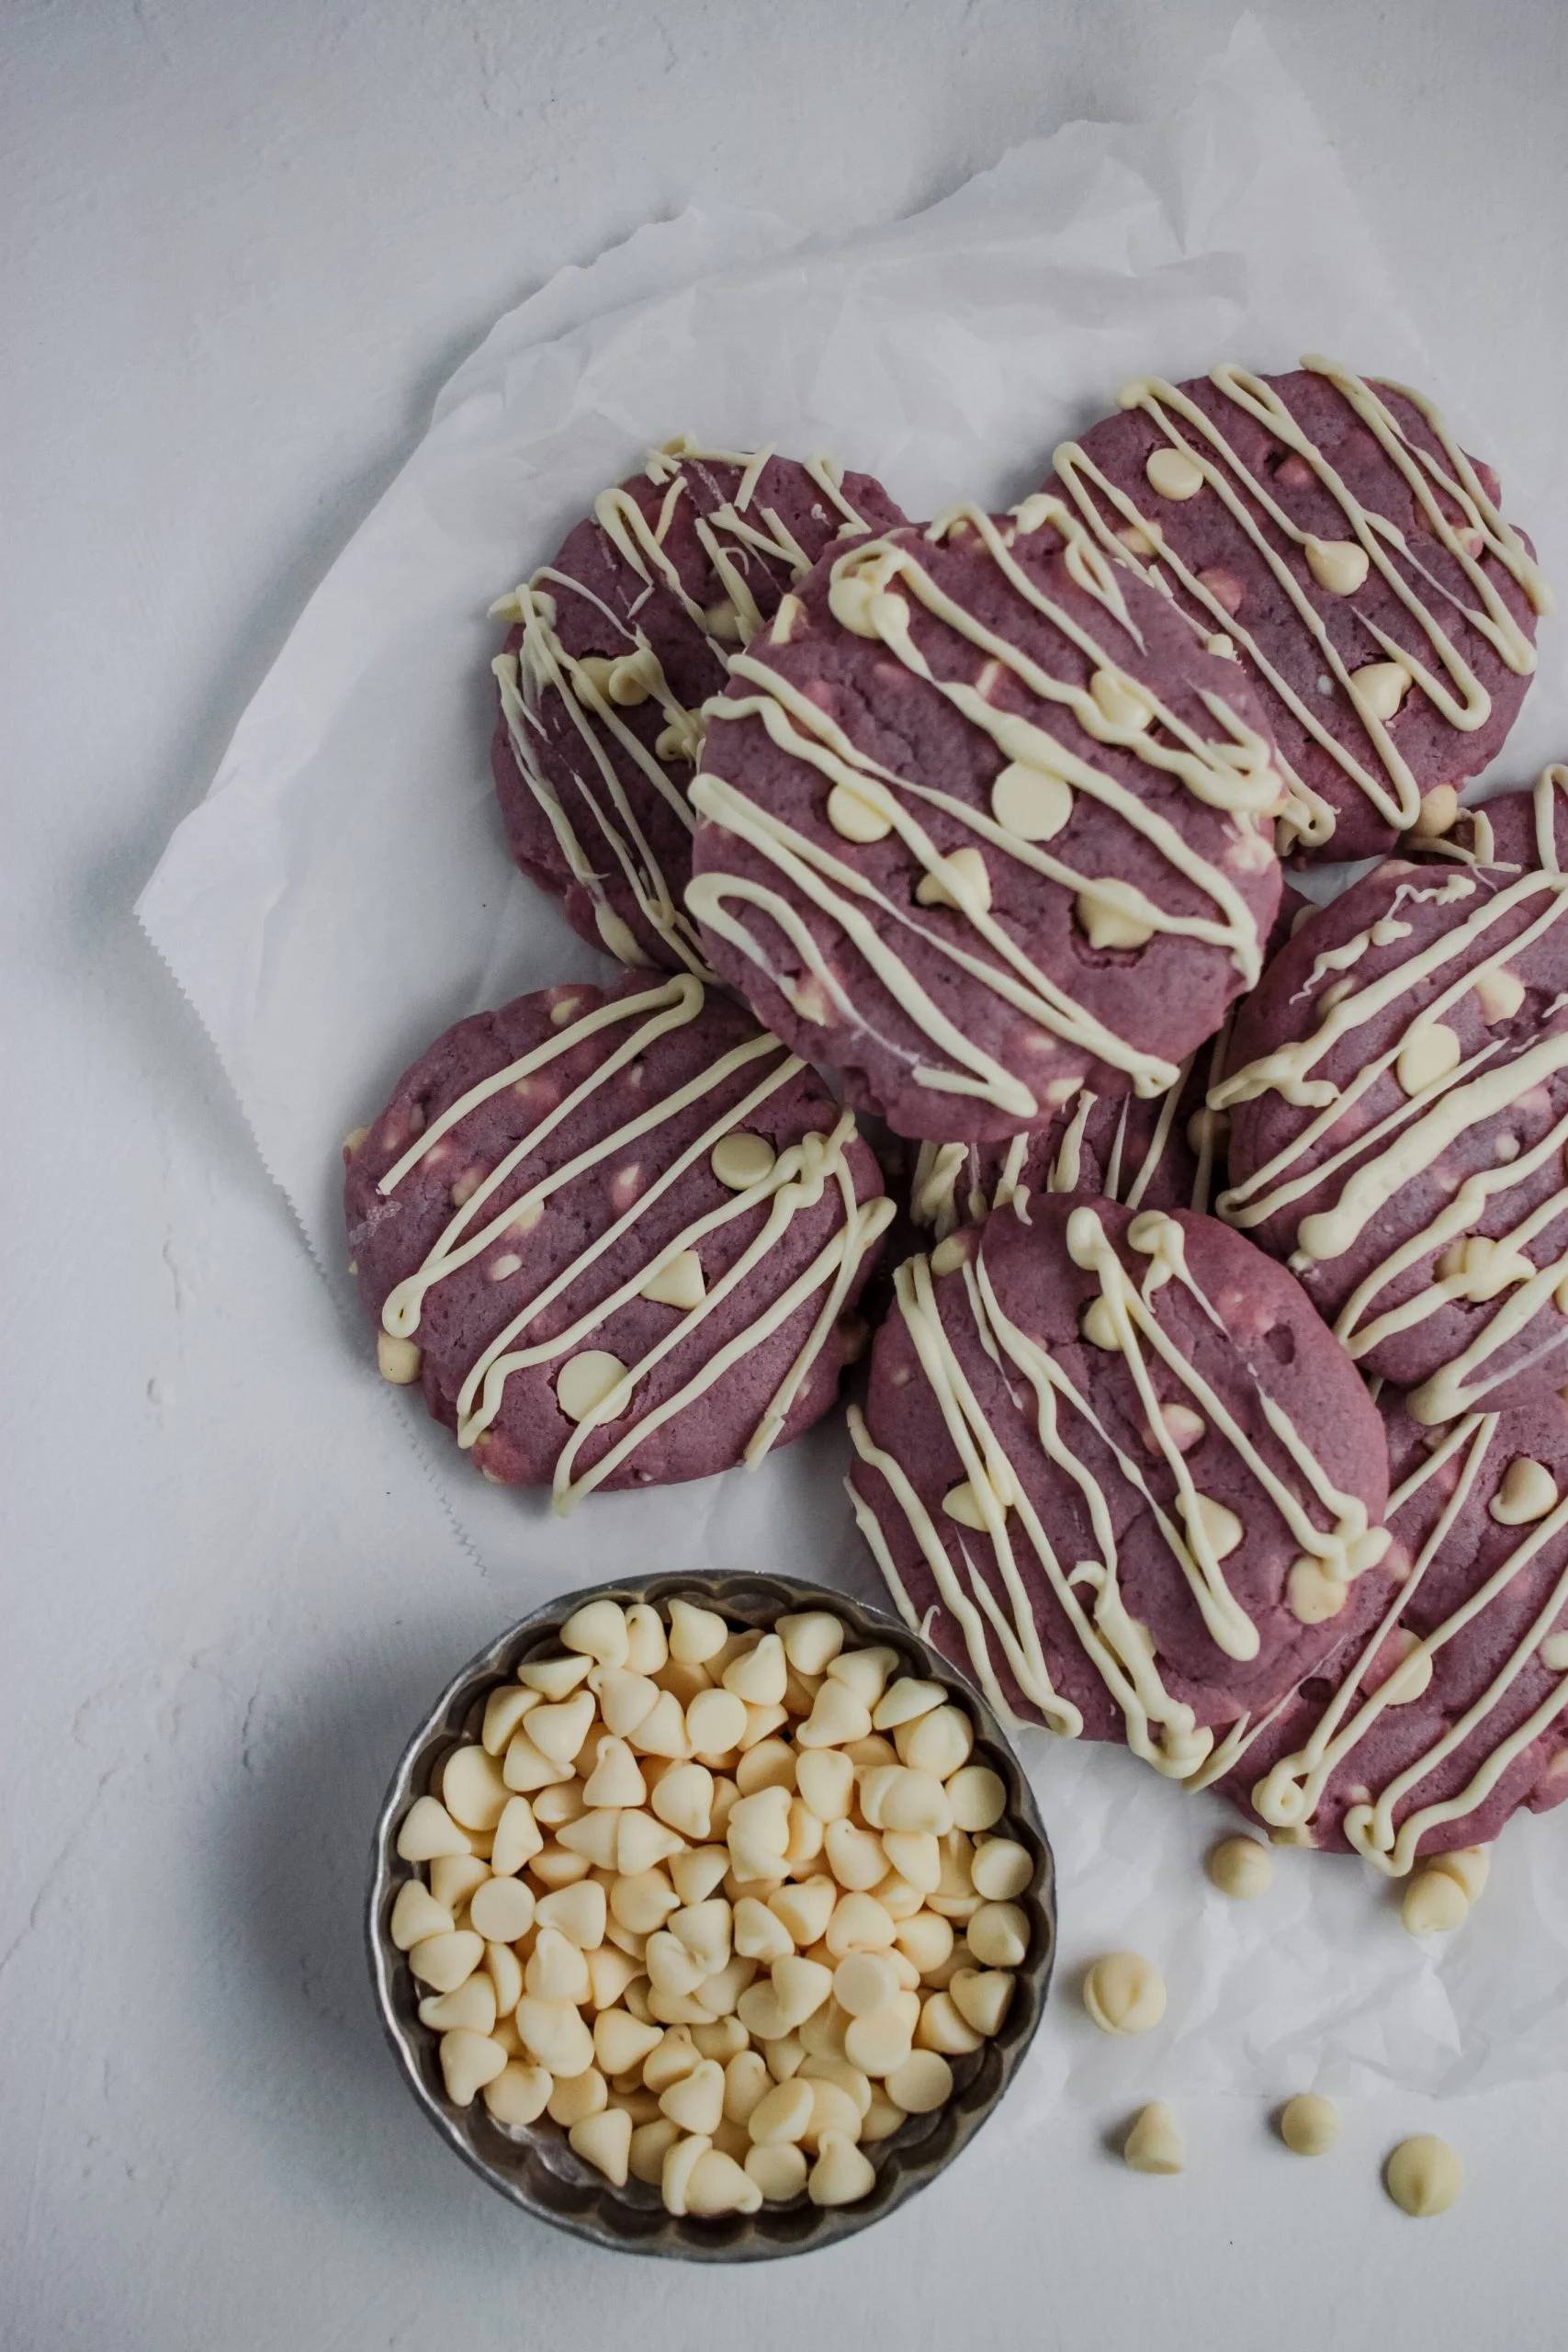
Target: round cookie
{"points": [[1117, 1464], [613, 648], [1512, 828], [1165, 1153], [616, 1235], [1399, 1113], [1333, 531], [984, 823], [1451, 1711]]}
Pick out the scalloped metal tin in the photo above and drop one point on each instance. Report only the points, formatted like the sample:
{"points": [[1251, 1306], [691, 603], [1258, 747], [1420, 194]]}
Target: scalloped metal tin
{"points": [[535, 2167]]}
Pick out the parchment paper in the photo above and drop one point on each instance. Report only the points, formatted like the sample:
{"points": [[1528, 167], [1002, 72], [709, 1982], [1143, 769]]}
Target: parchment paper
{"points": [[343, 894]]}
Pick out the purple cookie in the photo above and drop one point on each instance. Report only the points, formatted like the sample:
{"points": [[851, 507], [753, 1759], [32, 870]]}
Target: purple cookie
{"points": [[1118, 1465], [1432, 1728], [984, 823], [1399, 1113], [1512, 828], [614, 1234], [1167, 1153], [616, 647], [1331, 529]]}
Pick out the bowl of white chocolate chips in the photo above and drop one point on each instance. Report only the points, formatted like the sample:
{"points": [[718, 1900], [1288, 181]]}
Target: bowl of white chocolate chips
{"points": [[710, 1916]]}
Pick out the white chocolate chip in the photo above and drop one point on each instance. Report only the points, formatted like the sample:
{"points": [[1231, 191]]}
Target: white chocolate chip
{"points": [[445, 1962], [519, 2093], [1429, 1055], [428, 1831], [1340, 566], [715, 1721], [1123, 1991], [505, 1709], [904, 1701], [1311, 1594], [916, 1856], [718, 2184], [1435, 1904], [1173, 474], [1155, 2144], [853, 818], [837, 1717], [860, 1923], [473, 1789], [468, 2060], [805, 1909], [943, 2028], [959, 880], [841, 2176], [577, 2097], [742, 1159], [621, 2043], [1309, 2124], [1001, 1869], [1436, 814], [555, 1678], [922, 2084], [678, 1282], [471, 2006], [584, 1381], [557, 1731], [604, 2141], [651, 2143], [759, 1676], [978, 1797], [1380, 687], [962, 1503], [779, 2171], [1222, 1529], [397, 1361], [696, 2100], [982, 1998], [1112, 913], [1241, 1868], [1498, 992], [937, 1742], [1526, 1493], [617, 1779], [695, 1634], [1423, 2175], [1031, 802], [557, 1971], [416, 1915], [502, 1910], [811, 1639]]}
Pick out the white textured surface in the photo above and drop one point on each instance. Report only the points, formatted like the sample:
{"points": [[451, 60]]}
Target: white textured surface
{"points": [[241, 246]]}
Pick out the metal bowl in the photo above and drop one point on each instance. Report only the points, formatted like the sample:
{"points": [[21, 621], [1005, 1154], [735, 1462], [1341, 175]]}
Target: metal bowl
{"points": [[535, 2166]]}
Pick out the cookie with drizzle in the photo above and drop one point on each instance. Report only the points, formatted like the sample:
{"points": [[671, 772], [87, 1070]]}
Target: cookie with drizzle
{"points": [[616, 1237], [615, 647], [1449, 1711], [1114, 1462], [983, 823], [1331, 528], [1399, 1120]]}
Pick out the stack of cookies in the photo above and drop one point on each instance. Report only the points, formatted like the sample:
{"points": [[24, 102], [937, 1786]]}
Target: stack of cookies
{"points": [[1217, 1405]]}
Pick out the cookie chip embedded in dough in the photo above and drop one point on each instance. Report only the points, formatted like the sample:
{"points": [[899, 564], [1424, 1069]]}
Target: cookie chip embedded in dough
{"points": [[615, 647], [1373, 1755], [538, 1226], [1093, 1453], [1398, 1103], [1354, 558], [1074, 873]]}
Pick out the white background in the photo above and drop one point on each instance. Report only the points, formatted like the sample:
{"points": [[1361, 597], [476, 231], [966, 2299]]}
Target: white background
{"points": [[242, 246]]}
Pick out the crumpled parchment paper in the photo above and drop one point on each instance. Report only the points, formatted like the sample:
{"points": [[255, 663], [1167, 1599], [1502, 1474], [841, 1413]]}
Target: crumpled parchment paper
{"points": [[343, 893]]}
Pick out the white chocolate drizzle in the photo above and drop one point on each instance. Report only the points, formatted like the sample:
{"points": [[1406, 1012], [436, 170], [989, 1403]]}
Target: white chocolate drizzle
{"points": [[1426, 652], [990, 1603], [601, 825], [1289, 1795], [797, 1180], [872, 586], [1369, 1169]]}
